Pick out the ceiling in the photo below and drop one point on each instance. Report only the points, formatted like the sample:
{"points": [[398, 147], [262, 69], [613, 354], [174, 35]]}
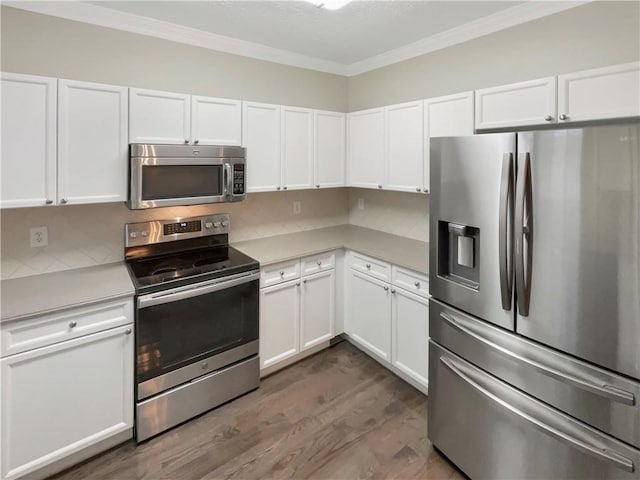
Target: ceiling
{"points": [[361, 36]]}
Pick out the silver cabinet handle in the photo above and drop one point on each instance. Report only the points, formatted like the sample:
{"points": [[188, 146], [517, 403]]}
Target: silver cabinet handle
{"points": [[379, 186], [318, 185], [563, 117], [64, 200], [416, 284], [304, 281], [278, 188], [128, 331], [73, 324], [368, 265], [284, 188], [417, 189], [425, 190], [386, 289], [548, 118], [319, 262], [281, 273], [186, 140], [393, 290], [297, 284], [49, 202], [567, 436], [196, 141], [608, 391]]}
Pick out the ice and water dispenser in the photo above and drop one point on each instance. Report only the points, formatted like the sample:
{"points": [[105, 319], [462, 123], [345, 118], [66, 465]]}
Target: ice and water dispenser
{"points": [[459, 253]]}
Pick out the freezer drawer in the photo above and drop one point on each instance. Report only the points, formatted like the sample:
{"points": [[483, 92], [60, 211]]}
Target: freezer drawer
{"points": [[602, 399], [491, 430]]}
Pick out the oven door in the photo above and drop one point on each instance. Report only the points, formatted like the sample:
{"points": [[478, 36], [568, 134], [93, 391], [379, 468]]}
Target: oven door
{"points": [[167, 182], [190, 331]]}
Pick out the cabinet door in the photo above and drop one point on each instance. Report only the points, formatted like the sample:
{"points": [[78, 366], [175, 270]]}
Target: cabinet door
{"points": [[318, 309], [518, 104], [366, 148], [330, 149], [159, 117], [279, 321], [405, 162], [261, 137], [601, 93], [369, 319], [60, 399], [92, 142], [216, 121], [410, 335], [28, 140], [297, 148], [449, 116]]}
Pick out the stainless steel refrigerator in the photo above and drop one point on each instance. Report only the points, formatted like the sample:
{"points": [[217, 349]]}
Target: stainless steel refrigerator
{"points": [[534, 357]]}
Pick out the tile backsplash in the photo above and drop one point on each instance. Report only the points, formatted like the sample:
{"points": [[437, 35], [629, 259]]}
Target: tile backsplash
{"points": [[85, 235]]}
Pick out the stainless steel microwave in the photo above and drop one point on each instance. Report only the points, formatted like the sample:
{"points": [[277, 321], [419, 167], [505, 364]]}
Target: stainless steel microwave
{"points": [[174, 175]]}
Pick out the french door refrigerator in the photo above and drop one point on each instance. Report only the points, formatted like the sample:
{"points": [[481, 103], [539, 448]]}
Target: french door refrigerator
{"points": [[534, 357]]}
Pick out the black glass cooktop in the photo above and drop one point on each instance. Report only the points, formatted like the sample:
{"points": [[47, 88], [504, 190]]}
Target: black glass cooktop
{"points": [[167, 271]]}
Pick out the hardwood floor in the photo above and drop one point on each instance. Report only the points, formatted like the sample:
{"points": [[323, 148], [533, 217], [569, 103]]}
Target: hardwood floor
{"points": [[335, 415]]}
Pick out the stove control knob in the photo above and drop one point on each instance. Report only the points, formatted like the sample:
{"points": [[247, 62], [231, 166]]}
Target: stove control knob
{"points": [[208, 225], [133, 234], [144, 233], [225, 223], [216, 224]]}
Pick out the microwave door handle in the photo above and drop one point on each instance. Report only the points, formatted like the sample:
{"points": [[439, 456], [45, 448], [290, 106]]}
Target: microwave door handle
{"points": [[227, 179]]}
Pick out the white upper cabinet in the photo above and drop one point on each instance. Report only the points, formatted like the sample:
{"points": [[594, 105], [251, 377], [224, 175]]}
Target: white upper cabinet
{"points": [[28, 140], [216, 121], [330, 148], [159, 117], [601, 93], [447, 116], [261, 138], [297, 148], [404, 156], [366, 148], [518, 104], [92, 142]]}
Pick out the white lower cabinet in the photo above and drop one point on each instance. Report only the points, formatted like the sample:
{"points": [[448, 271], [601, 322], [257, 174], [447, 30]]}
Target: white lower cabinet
{"points": [[60, 399], [279, 322], [369, 317], [317, 309], [296, 314], [410, 334]]}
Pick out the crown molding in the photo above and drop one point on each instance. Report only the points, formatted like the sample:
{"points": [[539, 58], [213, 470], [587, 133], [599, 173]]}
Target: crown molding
{"points": [[106, 17], [504, 19]]}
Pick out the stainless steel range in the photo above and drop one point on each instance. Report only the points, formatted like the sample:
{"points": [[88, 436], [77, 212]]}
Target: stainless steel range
{"points": [[196, 319]]}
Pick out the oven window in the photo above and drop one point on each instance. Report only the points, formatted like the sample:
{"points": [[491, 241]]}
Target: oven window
{"points": [[180, 181], [172, 335]]}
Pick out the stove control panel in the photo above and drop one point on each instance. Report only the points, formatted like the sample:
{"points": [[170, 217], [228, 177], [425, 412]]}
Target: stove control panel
{"points": [[159, 231]]}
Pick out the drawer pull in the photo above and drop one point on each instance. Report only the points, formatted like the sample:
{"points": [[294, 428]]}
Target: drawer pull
{"points": [[304, 281], [368, 265], [128, 331], [417, 284], [297, 284], [319, 262], [73, 324], [282, 273], [386, 289], [393, 290]]}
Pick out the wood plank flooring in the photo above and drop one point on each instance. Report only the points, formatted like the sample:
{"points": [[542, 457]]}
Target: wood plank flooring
{"points": [[335, 415]]}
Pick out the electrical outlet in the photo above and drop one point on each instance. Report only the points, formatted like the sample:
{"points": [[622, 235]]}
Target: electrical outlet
{"points": [[39, 236], [296, 207], [361, 204]]}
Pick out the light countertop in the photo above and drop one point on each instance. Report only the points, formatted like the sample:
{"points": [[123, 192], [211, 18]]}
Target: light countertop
{"points": [[38, 294], [401, 251]]}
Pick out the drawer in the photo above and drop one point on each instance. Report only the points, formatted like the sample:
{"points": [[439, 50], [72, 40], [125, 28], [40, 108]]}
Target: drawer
{"points": [[279, 272], [21, 336], [369, 265], [411, 281], [318, 263]]}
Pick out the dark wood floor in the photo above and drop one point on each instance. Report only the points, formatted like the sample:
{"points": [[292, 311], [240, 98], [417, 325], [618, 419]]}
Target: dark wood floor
{"points": [[336, 415]]}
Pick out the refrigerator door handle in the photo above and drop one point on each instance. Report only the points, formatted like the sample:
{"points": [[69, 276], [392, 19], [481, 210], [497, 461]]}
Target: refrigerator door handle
{"points": [[585, 445], [523, 231], [506, 194], [608, 391]]}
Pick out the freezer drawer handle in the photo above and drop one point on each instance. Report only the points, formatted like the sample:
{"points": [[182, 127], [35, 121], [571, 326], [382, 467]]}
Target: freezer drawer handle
{"points": [[604, 454], [607, 391]]}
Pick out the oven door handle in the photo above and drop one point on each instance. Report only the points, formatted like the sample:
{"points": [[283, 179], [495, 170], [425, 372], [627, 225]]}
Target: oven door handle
{"points": [[182, 293]]}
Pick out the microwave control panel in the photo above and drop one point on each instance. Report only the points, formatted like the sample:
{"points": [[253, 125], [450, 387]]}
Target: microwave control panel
{"points": [[238, 179]]}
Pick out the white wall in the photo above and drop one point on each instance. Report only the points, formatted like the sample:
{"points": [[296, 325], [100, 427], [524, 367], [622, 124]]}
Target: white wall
{"points": [[589, 36]]}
